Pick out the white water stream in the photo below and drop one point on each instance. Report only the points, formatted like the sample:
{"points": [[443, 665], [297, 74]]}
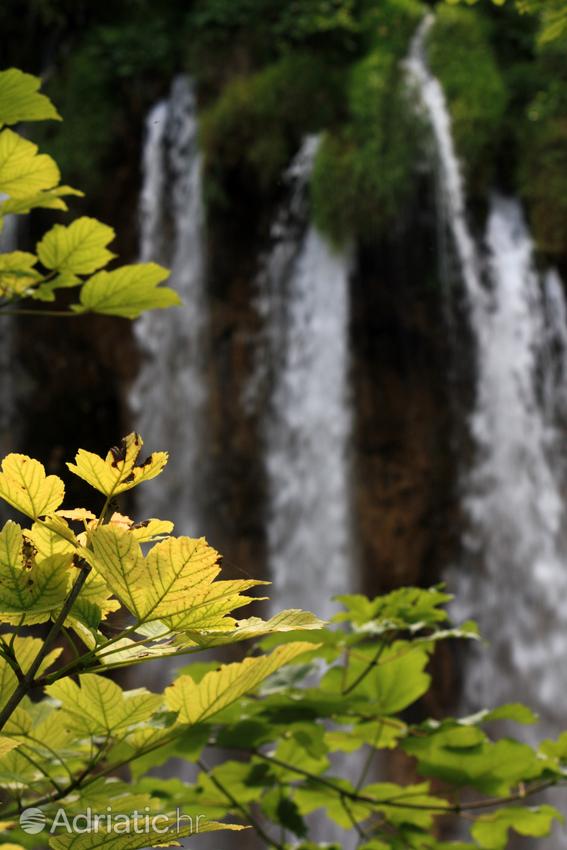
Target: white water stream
{"points": [[169, 395], [304, 302], [515, 578]]}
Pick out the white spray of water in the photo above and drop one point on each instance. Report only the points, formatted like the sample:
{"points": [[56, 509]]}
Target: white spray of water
{"points": [[453, 201], [513, 493], [169, 394], [515, 580], [304, 301]]}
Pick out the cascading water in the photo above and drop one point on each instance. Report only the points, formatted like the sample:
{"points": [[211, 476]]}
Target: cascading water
{"points": [[515, 579], [169, 394], [513, 494], [304, 303]]}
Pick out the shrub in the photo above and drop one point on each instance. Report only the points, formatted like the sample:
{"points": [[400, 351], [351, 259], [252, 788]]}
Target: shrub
{"points": [[461, 57], [543, 150], [259, 119], [364, 174]]}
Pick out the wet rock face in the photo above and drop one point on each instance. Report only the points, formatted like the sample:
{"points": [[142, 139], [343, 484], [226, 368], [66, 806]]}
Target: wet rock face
{"points": [[72, 374], [405, 473]]}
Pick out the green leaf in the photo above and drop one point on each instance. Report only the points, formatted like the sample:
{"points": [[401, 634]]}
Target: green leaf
{"points": [[79, 248], [514, 711], [98, 705], [404, 608], [127, 291], [338, 809], [24, 171], [491, 831], [491, 767], [25, 486], [46, 291], [393, 682], [20, 99], [418, 800], [218, 689]]}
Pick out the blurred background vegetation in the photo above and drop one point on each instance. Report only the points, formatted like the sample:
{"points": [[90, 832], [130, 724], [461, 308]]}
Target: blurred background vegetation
{"points": [[269, 72]]}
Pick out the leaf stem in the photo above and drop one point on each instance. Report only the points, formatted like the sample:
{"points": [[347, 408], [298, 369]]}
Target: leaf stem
{"points": [[26, 683]]}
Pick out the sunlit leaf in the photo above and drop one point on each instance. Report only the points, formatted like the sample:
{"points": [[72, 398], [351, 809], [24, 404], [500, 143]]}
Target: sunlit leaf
{"points": [[79, 248], [127, 291], [98, 705], [491, 830], [220, 688], [30, 589], [24, 171], [20, 99], [25, 486], [119, 471]]}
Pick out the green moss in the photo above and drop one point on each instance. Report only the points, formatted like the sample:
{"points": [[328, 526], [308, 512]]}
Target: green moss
{"points": [[388, 25], [543, 150], [105, 79], [364, 174], [461, 57], [259, 119]]}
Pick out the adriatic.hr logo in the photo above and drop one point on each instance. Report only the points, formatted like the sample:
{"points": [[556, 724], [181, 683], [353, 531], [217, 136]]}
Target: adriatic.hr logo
{"points": [[34, 821]]}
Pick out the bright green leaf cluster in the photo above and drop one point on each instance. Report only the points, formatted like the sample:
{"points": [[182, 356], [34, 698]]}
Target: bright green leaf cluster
{"points": [[66, 255]]}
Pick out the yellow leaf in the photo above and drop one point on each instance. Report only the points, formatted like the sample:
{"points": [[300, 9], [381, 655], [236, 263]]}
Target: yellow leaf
{"points": [[29, 588], [79, 248], [119, 470], [127, 291], [196, 702], [175, 583], [47, 541], [20, 99], [17, 273], [289, 620], [7, 745], [51, 199], [23, 171], [25, 650], [143, 532], [80, 514], [24, 485]]}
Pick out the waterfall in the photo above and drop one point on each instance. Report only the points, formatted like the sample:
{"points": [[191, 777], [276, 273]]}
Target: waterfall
{"points": [[515, 579], [168, 397], [451, 189], [304, 303], [513, 495]]}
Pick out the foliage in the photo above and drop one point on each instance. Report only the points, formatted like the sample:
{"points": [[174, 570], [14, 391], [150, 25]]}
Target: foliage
{"points": [[66, 256], [460, 56], [552, 15], [83, 594], [110, 68], [543, 149], [364, 173], [259, 119]]}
